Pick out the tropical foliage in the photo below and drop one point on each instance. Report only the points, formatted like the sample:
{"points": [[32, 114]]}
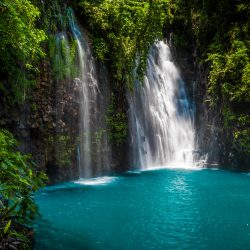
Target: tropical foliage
{"points": [[20, 44], [123, 31], [20, 39], [18, 182]]}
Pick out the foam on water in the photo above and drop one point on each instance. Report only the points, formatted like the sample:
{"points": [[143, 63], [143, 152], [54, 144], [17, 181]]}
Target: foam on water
{"points": [[195, 168], [104, 180]]}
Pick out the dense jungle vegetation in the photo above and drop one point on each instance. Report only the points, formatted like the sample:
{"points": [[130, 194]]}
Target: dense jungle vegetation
{"points": [[121, 33]]}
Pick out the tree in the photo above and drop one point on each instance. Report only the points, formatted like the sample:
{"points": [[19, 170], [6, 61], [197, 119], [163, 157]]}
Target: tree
{"points": [[20, 40]]}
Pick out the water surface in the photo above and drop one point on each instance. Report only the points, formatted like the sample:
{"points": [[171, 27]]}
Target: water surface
{"points": [[163, 209]]}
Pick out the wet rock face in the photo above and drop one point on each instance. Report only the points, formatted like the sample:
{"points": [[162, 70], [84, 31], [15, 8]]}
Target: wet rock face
{"points": [[214, 141], [53, 126], [46, 125], [208, 120]]}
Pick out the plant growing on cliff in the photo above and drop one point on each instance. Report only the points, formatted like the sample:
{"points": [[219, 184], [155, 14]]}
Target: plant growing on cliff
{"points": [[117, 124], [63, 148], [229, 87], [18, 182], [123, 31], [63, 56], [220, 30]]}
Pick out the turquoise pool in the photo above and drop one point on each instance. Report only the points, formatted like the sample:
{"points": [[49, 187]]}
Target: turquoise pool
{"points": [[163, 209]]}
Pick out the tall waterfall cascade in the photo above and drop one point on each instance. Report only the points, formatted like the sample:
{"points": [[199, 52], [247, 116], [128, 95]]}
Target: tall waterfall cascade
{"points": [[94, 148], [91, 79], [161, 115]]}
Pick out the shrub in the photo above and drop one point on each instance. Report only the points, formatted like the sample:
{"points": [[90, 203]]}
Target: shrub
{"points": [[18, 182]]}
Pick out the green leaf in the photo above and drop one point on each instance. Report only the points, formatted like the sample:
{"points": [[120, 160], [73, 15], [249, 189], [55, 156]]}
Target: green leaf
{"points": [[7, 227]]}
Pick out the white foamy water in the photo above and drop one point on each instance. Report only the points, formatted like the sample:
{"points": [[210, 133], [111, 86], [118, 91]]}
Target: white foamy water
{"points": [[172, 166], [96, 181], [161, 115], [93, 151]]}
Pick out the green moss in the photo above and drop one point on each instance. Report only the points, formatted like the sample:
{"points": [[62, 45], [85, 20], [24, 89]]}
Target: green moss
{"points": [[117, 124], [63, 57], [63, 149], [98, 136]]}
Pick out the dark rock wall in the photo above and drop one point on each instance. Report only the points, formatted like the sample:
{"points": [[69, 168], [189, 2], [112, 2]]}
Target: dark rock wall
{"points": [[208, 121], [46, 124]]}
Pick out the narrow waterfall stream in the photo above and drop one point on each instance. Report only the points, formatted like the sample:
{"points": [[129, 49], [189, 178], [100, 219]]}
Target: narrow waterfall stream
{"points": [[93, 148], [89, 89], [161, 115], [74, 61]]}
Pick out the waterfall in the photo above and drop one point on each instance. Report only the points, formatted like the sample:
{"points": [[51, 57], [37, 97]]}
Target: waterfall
{"points": [[88, 93], [94, 148], [161, 115], [73, 61]]}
